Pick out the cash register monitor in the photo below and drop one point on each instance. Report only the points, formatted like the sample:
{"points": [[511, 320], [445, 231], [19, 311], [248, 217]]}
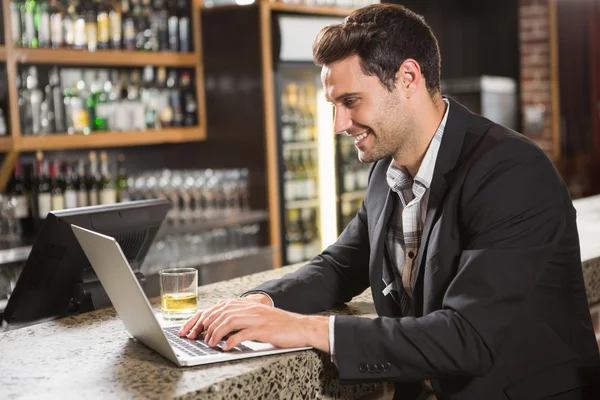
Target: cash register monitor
{"points": [[57, 279]]}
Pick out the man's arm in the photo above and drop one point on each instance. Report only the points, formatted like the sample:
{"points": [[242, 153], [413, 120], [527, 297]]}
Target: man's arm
{"points": [[512, 216], [333, 277]]}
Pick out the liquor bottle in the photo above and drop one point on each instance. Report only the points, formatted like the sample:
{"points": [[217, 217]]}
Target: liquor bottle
{"points": [[289, 117], [190, 106], [103, 108], [115, 17], [91, 26], [81, 184], [162, 20], [57, 193], [165, 113], [289, 176], [69, 25], [301, 176], [149, 97], [103, 23], [143, 33], [79, 119], [184, 26], [69, 185], [129, 32], [175, 98], [3, 127], [302, 134], [294, 237], [173, 27], [20, 193], [122, 185], [80, 40], [15, 21], [56, 24], [44, 189], [312, 173], [42, 20], [107, 192], [316, 243], [32, 100], [309, 230], [134, 105], [30, 38], [57, 101], [92, 181], [311, 112]]}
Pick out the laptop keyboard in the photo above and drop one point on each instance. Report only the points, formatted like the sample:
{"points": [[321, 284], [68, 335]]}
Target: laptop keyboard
{"points": [[197, 347]]}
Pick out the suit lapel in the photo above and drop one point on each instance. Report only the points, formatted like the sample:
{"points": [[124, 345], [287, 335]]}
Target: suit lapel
{"points": [[377, 261], [450, 148]]}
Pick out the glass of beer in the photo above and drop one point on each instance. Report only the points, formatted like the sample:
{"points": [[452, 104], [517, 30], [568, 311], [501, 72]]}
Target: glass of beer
{"points": [[178, 293]]}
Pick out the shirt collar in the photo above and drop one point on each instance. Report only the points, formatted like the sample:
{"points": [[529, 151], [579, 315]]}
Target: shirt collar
{"points": [[398, 177]]}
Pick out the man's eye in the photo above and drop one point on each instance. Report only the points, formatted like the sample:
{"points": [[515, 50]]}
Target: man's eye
{"points": [[349, 102]]}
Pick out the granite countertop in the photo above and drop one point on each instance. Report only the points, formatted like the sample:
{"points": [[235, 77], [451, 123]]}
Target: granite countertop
{"points": [[92, 356], [588, 227]]}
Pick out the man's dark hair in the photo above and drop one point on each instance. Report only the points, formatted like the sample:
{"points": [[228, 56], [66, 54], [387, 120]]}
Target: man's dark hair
{"points": [[383, 36]]}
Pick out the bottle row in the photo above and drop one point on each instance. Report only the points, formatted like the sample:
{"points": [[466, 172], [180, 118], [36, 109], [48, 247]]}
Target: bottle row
{"points": [[298, 114], [46, 185], [81, 101], [301, 175], [302, 234], [329, 3], [160, 25]]}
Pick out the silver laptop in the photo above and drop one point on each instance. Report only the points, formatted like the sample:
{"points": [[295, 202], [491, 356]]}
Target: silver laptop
{"points": [[128, 298]]}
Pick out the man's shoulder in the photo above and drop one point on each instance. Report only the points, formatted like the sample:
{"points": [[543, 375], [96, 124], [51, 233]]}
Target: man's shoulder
{"points": [[485, 139]]}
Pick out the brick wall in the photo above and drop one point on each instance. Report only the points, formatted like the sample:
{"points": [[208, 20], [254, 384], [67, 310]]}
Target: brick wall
{"points": [[534, 38]]}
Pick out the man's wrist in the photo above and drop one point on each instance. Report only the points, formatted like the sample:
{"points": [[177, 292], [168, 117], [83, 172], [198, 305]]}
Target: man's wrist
{"points": [[316, 329], [260, 298]]}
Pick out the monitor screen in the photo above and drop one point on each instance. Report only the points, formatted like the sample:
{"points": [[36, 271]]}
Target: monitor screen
{"points": [[57, 279]]}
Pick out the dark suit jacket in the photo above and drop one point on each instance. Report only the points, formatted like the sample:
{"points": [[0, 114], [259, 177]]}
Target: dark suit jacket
{"points": [[499, 310]]}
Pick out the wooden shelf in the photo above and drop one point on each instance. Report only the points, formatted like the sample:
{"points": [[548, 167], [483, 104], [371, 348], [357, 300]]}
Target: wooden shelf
{"points": [[2, 53], [109, 139], [6, 143], [104, 57], [306, 9], [292, 8]]}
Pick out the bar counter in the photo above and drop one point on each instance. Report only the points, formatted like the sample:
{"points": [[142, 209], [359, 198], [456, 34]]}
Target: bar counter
{"points": [[92, 356]]}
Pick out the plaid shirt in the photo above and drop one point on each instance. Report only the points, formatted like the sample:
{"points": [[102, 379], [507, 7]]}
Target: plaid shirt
{"points": [[405, 227]]}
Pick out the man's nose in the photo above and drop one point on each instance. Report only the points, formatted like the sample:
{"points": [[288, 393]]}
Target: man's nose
{"points": [[342, 120]]}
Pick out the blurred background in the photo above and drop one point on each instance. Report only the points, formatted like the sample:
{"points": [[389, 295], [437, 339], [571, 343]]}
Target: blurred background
{"points": [[218, 107]]}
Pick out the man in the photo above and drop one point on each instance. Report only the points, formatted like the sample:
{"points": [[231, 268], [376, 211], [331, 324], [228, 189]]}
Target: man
{"points": [[466, 236]]}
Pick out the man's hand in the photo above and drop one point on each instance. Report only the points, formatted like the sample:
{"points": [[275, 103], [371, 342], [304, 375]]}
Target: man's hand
{"points": [[254, 320]]}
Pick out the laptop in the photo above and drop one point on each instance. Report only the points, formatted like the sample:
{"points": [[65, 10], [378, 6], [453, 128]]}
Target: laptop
{"points": [[128, 298]]}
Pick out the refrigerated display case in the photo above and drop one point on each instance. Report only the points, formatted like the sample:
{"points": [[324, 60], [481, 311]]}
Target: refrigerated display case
{"points": [[269, 57], [305, 139]]}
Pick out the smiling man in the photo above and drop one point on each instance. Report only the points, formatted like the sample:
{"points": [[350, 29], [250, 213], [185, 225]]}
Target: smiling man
{"points": [[466, 237]]}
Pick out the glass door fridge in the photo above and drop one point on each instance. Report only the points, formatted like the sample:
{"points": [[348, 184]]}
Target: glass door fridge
{"points": [[305, 139]]}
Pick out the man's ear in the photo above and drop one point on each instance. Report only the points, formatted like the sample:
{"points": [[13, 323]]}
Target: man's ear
{"points": [[409, 77]]}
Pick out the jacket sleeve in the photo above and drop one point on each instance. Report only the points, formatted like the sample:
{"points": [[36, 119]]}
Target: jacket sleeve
{"points": [[512, 217], [332, 278]]}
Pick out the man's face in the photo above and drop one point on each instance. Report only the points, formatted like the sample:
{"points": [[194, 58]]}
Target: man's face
{"points": [[378, 120]]}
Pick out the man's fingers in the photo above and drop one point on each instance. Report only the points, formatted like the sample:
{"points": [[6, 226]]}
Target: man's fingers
{"points": [[239, 337], [189, 324], [231, 323], [218, 320]]}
